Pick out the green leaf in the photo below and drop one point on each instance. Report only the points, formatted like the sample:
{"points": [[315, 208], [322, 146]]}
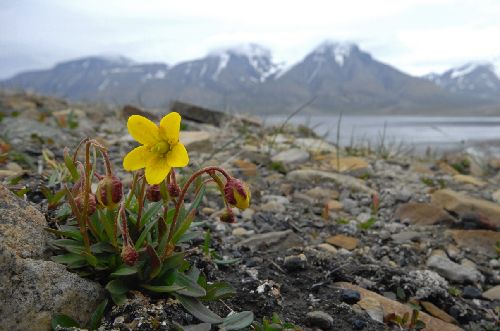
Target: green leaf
{"points": [[144, 233], [162, 288], [198, 310], [68, 161], [71, 260], [184, 226], [368, 224], [190, 235], [238, 321], [155, 262], [75, 234], [71, 245], [153, 210], [196, 203], [191, 287], [400, 293], [63, 321], [124, 270], [219, 290], [117, 286], [95, 319]]}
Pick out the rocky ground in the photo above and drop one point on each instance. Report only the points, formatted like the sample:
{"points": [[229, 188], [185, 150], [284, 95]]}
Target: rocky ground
{"points": [[332, 241]]}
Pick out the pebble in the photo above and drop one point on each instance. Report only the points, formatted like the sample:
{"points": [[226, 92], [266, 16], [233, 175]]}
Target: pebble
{"points": [[319, 319], [358, 324], [350, 296], [471, 292], [295, 262], [493, 293]]}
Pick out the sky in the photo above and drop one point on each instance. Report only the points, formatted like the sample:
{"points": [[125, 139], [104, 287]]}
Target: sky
{"points": [[416, 36]]}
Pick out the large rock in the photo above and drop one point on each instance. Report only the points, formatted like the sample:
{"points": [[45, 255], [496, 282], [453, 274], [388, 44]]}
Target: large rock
{"points": [[460, 273], [315, 145], [21, 227], [199, 114], [318, 176], [376, 304], [33, 289], [479, 241], [290, 156], [487, 211], [423, 214]]}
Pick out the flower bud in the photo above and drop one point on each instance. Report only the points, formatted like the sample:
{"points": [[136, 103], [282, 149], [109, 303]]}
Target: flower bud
{"points": [[173, 189], [80, 202], [227, 217], [109, 191], [129, 255], [237, 193], [153, 193]]}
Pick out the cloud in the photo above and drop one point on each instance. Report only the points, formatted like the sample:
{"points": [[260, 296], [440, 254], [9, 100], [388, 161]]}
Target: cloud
{"points": [[416, 36]]}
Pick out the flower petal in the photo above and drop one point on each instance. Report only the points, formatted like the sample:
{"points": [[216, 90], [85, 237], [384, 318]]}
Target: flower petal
{"points": [[143, 130], [137, 158], [178, 156], [156, 170], [170, 126]]}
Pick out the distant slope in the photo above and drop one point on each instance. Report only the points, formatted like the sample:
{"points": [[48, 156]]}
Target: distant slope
{"points": [[338, 76]]}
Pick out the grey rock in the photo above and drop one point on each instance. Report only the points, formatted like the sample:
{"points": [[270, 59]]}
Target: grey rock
{"points": [[295, 262], [32, 289], [471, 292], [450, 270], [272, 241], [290, 156], [406, 236], [350, 296], [427, 283], [21, 226], [311, 175], [319, 319]]}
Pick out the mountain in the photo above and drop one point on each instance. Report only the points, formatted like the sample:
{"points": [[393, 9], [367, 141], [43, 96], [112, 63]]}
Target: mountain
{"points": [[337, 76], [479, 79]]}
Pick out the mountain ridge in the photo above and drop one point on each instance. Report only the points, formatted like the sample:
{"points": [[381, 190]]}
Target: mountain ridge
{"points": [[339, 76]]}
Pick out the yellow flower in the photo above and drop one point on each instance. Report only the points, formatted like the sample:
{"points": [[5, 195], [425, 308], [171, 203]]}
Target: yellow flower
{"points": [[160, 150]]}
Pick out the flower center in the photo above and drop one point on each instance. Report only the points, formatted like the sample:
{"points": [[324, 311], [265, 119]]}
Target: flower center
{"points": [[161, 148]]}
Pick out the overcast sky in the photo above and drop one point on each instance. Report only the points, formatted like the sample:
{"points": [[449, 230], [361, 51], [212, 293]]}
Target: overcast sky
{"points": [[416, 36]]}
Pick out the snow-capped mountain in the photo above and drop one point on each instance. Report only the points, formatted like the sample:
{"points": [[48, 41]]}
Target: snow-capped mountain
{"points": [[338, 76], [481, 79]]}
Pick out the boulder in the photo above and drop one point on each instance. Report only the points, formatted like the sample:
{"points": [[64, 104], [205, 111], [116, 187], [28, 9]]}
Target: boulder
{"points": [[478, 241], [33, 289], [199, 114], [460, 273], [423, 214], [291, 156], [461, 204]]}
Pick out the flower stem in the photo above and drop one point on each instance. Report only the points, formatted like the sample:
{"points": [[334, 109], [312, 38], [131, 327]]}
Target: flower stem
{"points": [[140, 200], [184, 191]]}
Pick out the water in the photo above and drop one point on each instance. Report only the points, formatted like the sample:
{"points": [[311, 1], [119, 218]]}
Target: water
{"points": [[440, 134]]}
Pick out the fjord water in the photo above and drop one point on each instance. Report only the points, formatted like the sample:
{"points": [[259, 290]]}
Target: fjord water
{"points": [[420, 134]]}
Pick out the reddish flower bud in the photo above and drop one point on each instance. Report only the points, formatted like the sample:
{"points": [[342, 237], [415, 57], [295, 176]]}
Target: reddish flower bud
{"points": [[237, 193], [173, 189], [153, 193], [129, 255], [227, 217], [80, 202], [109, 191]]}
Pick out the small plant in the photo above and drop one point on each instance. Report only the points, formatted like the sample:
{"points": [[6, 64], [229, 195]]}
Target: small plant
{"points": [[274, 324], [133, 241], [406, 322], [367, 224], [454, 291]]}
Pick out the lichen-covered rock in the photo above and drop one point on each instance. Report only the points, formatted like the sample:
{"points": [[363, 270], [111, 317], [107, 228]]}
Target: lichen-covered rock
{"points": [[32, 289], [21, 226]]}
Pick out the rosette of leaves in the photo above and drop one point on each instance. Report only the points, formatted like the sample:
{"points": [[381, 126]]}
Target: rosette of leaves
{"points": [[161, 267]]}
